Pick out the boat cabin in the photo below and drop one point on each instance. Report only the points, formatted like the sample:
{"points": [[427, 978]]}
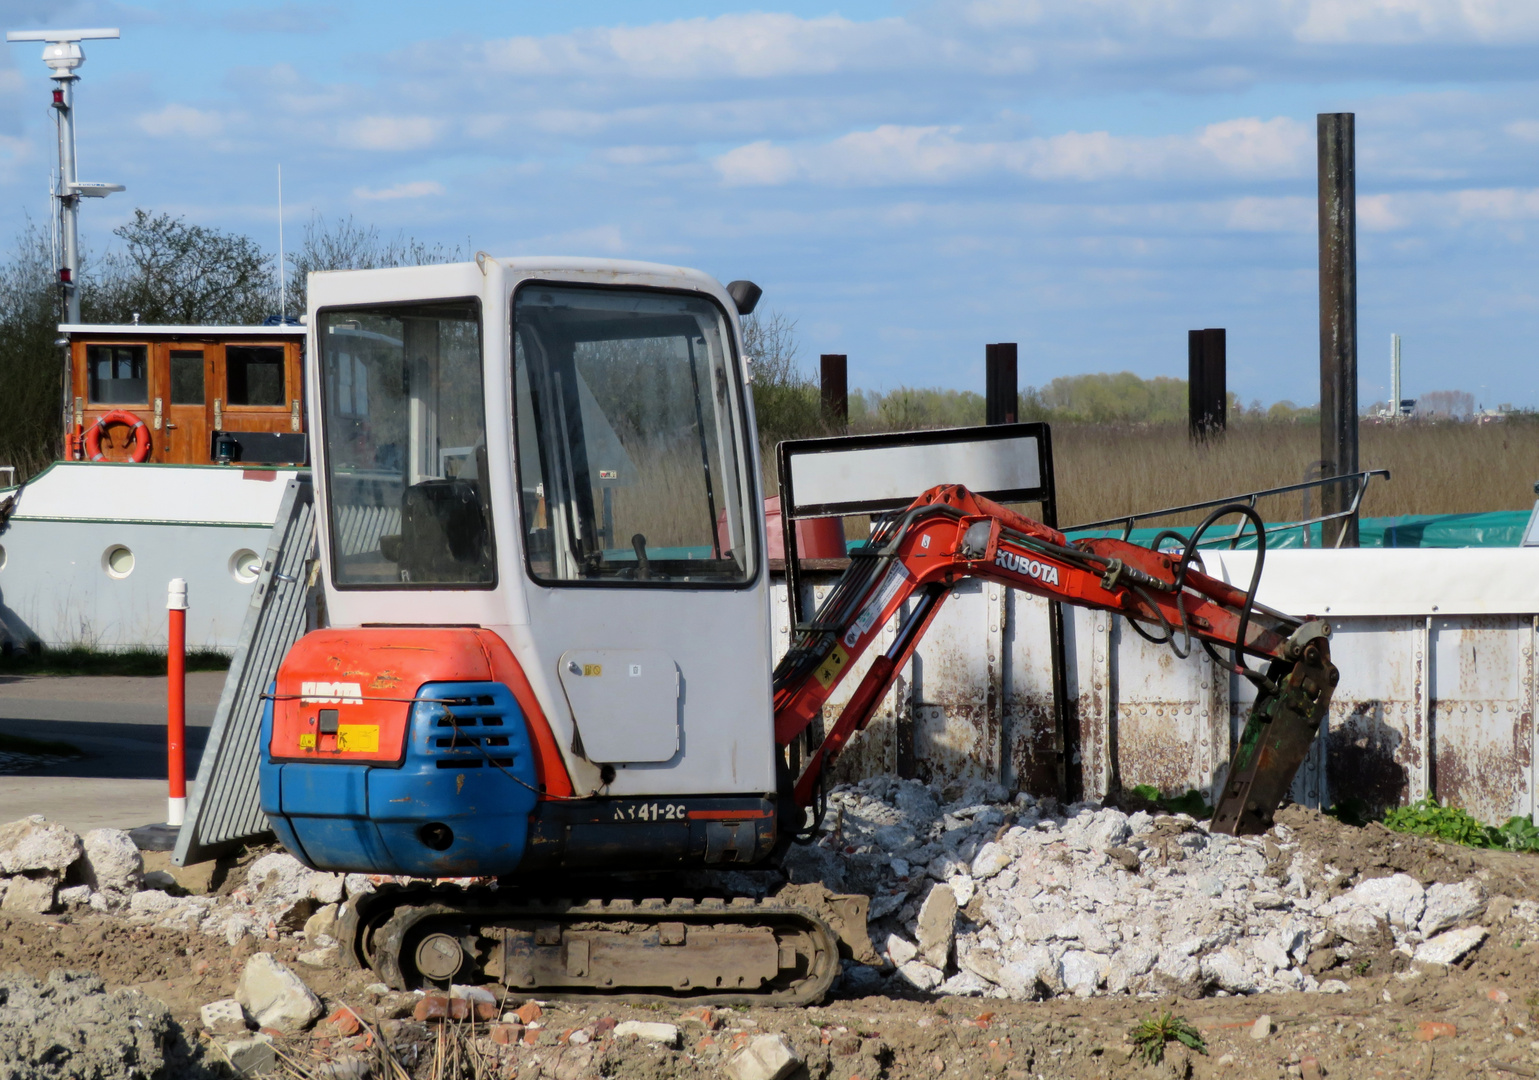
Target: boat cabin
{"points": [[205, 395]]}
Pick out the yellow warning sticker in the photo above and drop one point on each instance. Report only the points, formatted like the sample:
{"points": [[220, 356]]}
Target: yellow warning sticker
{"points": [[591, 671], [831, 667], [358, 738], [307, 742]]}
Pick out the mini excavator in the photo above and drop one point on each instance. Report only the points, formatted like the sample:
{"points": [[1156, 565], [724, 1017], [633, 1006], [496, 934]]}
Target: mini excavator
{"points": [[547, 671]]}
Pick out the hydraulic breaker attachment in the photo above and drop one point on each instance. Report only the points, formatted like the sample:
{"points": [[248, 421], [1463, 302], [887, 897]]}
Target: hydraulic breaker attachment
{"points": [[1278, 734]]}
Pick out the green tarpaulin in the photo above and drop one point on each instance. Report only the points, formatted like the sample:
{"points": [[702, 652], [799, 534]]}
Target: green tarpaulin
{"points": [[1503, 528]]}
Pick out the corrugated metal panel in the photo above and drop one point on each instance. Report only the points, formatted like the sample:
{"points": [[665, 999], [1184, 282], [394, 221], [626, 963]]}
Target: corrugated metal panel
{"points": [[224, 807], [1437, 692]]}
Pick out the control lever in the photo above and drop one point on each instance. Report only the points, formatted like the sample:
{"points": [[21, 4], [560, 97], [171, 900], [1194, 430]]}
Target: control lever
{"points": [[643, 567]]}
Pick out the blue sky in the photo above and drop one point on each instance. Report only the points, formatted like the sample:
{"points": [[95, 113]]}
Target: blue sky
{"points": [[1090, 178]]}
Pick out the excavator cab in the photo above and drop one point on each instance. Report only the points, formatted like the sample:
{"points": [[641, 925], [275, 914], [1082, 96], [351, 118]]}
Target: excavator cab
{"points": [[549, 640]]}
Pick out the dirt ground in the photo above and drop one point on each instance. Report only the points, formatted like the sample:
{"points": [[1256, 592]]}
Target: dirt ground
{"points": [[1480, 1018]]}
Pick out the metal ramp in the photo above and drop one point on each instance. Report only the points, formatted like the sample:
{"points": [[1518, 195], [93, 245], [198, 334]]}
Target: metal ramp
{"points": [[224, 806]]}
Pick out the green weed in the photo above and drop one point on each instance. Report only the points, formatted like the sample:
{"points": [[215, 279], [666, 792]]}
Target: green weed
{"points": [[1150, 1036], [1192, 803], [1457, 826]]}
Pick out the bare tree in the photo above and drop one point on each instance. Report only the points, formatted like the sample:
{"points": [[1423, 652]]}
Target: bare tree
{"points": [[1455, 404], [31, 366], [176, 273], [785, 399]]}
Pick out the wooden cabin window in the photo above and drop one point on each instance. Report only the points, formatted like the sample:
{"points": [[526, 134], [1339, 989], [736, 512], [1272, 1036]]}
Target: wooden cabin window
{"points": [[254, 375], [115, 375], [187, 376]]}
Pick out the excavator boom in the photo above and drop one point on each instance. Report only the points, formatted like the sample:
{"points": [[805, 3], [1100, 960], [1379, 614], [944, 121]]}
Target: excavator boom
{"points": [[949, 534]]}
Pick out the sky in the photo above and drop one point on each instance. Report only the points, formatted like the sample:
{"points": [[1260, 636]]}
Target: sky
{"points": [[906, 181]]}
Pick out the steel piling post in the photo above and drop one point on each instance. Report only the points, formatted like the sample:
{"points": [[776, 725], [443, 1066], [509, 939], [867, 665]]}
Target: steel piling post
{"points": [[1338, 317]]}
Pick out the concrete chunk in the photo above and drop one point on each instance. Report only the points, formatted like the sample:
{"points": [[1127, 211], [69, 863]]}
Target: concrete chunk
{"points": [[937, 926], [648, 1031], [990, 860], [224, 1017], [768, 1057], [37, 895], [35, 844], [1449, 905], [1447, 948], [276, 997], [113, 864], [921, 975], [251, 1056]]}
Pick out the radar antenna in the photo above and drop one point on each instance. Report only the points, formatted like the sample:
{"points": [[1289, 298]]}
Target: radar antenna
{"points": [[63, 54]]}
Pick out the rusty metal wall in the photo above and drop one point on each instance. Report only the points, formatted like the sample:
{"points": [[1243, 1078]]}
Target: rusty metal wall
{"points": [[1436, 695]]}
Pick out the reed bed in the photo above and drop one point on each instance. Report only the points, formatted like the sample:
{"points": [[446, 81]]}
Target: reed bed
{"points": [[1104, 470], [1435, 468]]}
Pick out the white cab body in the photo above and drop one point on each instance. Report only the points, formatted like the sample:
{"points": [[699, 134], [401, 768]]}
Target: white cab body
{"points": [[718, 638]]}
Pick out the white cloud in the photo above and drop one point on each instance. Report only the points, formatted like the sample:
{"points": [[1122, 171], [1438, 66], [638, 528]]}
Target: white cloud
{"points": [[391, 132], [644, 155], [181, 121], [758, 163], [752, 45], [895, 154], [1496, 204], [1334, 22], [413, 189]]}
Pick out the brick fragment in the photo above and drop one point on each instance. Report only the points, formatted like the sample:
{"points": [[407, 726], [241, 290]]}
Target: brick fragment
{"points": [[344, 1021], [507, 1034], [440, 1006], [704, 1015], [1428, 1030], [529, 1012]]}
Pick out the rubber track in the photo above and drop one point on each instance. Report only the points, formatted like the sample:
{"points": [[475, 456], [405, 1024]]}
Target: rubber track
{"points": [[378, 926]]}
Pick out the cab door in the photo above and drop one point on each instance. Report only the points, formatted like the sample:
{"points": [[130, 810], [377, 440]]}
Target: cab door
{"points": [[646, 596], [182, 375]]}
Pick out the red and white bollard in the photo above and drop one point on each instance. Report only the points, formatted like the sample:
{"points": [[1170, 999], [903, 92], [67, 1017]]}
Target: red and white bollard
{"points": [[176, 703]]}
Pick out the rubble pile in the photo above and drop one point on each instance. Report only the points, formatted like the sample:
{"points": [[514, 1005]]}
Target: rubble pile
{"points": [[69, 1026], [1022, 900]]}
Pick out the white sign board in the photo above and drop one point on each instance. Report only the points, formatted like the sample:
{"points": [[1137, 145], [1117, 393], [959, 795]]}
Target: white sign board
{"points": [[853, 478]]}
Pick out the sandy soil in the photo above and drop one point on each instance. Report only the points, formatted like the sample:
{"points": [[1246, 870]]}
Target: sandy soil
{"points": [[1479, 1018]]}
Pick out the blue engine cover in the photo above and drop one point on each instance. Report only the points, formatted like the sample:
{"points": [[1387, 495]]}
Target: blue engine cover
{"points": [[468, 781]]}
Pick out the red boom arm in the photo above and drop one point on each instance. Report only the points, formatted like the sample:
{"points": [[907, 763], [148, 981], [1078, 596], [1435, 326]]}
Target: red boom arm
{"points": [[948, 534]]}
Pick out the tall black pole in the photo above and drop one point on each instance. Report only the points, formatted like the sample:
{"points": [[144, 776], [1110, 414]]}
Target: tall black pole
{"points": [[1338, 318], [836, 389], [1001, 391]]}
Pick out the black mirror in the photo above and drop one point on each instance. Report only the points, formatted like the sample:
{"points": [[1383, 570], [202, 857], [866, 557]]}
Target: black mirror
{"points": [[745, 294]]}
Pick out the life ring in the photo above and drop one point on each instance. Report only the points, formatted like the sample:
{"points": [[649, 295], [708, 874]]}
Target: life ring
{"points": [[93, 435]]}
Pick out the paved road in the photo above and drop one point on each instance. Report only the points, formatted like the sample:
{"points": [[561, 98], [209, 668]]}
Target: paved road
{"points": [[119, 724]]}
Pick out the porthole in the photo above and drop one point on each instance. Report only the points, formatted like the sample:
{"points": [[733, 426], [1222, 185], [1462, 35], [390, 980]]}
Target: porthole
{"points": [[2, 556], [118, 561], [245, 566]]}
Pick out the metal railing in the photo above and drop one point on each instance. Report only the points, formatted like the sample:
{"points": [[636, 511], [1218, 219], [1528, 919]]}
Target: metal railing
{"points": [[1360, 485]]}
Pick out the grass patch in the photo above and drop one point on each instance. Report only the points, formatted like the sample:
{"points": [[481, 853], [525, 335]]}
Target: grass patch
{"points": [[1456, 826], [1150, 1036], [1191, 804], [20, 744], [83, 661]]}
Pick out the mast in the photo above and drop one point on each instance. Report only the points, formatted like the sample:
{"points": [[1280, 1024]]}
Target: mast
{"points": [[62, 53]]}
